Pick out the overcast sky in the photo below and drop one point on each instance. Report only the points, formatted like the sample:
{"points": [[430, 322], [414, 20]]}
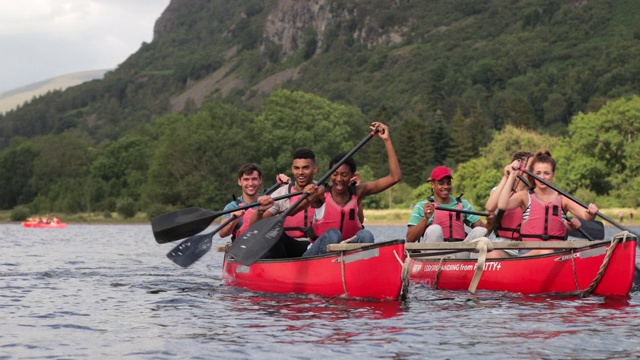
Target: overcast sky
{"points": [[42, 39]]}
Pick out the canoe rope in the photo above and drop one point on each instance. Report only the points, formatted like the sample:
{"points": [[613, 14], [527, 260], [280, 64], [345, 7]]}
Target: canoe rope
{"points": [[483, 245], [344, 278], [623, 235], [404, 275]]}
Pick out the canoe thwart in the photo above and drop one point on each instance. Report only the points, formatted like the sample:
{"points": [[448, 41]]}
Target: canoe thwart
{"points": [[470, 246]]}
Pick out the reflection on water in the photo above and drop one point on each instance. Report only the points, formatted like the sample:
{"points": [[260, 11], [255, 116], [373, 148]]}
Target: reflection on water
{"points": [[100, 291]]}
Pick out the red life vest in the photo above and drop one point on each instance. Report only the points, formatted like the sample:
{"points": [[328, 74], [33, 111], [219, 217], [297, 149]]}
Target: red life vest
{"points": [[337, 217], [298, 225], [544, 221], [510, 223], [452, 223], [246, 220]]}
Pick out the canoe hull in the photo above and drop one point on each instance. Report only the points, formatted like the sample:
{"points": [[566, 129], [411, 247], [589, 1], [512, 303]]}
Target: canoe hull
{"points": [[372, 272], [27, 224], [557, 273]]}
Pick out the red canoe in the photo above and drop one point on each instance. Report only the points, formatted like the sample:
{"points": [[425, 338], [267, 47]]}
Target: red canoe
{"points": [[29, 224], [569, 272], [371, 272]]}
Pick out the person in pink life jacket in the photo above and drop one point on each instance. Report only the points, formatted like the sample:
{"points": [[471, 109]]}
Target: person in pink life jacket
{"points": [[297, 226], [508, 226], [337, 207], [543, 209], [250, 181], [428, 225]]}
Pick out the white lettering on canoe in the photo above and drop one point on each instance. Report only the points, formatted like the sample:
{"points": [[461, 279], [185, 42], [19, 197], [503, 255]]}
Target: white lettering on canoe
{"points": [[488, 266]]}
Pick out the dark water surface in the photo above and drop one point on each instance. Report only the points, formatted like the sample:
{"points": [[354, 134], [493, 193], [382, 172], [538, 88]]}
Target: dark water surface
{"points": [[108, 291]]}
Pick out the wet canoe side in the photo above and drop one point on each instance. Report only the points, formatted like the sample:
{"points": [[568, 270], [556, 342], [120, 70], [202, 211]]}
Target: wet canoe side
{"points": [[372, 272], [560, 272]]}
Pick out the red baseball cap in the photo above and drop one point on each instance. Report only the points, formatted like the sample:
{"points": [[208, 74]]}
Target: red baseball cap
{"points": [[440, 172]]}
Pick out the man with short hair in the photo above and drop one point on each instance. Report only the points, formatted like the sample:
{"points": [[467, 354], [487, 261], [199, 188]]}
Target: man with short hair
{"points": [[250, 180], [294, 240]]}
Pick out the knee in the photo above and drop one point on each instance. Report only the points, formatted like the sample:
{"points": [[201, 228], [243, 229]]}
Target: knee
{"points": [[333, 236], [365, 236], [478, 232], [433, 234]]}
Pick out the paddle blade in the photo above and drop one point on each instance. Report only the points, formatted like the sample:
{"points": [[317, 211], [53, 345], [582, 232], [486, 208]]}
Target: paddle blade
{"points": [[191, 250], [180, 224], [260, 237], [594, 229]]}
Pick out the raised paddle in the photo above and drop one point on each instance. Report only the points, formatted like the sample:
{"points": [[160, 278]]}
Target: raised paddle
{"points": [[192, 249], [605, 217], [187, 222], [265, 233]]}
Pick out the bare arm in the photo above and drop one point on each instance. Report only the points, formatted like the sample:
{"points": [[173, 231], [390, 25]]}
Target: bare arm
{"points": [[585, 214], [395, 175], [492, 202], [228, 230], [316, 194], [506, 201], [415, 232]]}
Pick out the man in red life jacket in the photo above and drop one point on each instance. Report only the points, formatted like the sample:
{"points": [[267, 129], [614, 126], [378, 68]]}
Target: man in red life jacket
{"points": [[428, 225], [295, 238], [250, 180]]}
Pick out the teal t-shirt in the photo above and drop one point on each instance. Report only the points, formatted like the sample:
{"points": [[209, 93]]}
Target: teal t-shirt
{"points": [[418, 211], [234, 205]]}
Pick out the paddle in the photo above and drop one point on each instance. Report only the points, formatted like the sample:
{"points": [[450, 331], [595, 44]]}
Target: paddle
{"points": [[605, 217], [262, 235], [470, 212], [192, 249], [187, 222], [590, 230]]}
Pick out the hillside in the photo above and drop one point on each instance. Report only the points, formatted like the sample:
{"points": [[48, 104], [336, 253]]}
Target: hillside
{"points": [[170, 124], [530, 63], [11, 99]]}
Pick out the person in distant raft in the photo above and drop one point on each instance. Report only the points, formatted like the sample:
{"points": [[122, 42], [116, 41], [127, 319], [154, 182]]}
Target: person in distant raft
{"points": [[337, 207], [430, 225]]}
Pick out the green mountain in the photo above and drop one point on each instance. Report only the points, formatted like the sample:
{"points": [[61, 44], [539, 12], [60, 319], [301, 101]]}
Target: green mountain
{"points": [[419, 65], [534, 63]]}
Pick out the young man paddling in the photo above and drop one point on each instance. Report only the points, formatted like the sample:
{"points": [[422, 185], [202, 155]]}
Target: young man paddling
{"points": [[250, 180], [295, 239], [428, 225]]}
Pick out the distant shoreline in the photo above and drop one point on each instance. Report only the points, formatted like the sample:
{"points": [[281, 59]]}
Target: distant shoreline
{"points": [[373, 217]]}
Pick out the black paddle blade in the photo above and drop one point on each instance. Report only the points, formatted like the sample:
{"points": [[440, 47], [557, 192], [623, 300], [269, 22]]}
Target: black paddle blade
{"points": [[190, 250], [180, 224], [258, 239], [592, 230]]}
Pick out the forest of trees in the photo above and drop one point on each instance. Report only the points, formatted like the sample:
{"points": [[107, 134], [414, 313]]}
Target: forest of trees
{"points": [[183, 160], [465, 86]]}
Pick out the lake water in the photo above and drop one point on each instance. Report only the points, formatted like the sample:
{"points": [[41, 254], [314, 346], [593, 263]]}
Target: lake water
{"points": [[109, 292]]}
